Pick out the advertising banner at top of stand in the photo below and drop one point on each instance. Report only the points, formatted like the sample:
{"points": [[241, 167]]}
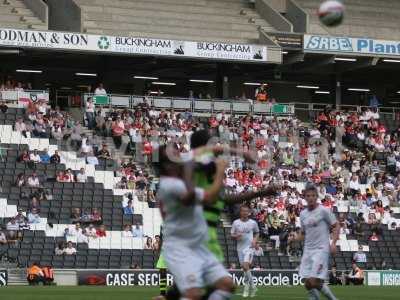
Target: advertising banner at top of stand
{"points": [[54, 40], [350, 45]]}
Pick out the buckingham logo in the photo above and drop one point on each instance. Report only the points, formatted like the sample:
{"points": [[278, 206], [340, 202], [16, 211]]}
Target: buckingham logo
{"points": [[223, 47], [339, 44]]}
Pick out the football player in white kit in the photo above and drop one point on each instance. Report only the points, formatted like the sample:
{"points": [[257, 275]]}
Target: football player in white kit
{"points": [[245, 231], [316, 223], [185, 232]]}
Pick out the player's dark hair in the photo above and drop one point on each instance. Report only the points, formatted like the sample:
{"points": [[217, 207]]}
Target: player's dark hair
{"points": [[199, 138]]}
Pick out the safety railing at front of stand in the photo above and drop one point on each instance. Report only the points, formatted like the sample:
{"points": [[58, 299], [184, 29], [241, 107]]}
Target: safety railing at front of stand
{"points": [[208, 106], [24, 97], [194, 105]]}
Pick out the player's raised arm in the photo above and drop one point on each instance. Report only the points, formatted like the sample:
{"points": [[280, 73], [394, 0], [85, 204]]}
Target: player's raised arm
{"points": [[243, 197]]}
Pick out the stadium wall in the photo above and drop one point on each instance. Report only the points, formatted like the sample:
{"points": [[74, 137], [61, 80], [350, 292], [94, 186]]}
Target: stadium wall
{"points": [[273, 16], [64, 15], [297, 16], [39, 8]]}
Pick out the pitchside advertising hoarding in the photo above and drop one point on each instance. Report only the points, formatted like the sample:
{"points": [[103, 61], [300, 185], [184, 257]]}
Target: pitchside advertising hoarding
{"points": [[351, 45], [151, 278], [383, 278], [132, 45], [3, 277]]}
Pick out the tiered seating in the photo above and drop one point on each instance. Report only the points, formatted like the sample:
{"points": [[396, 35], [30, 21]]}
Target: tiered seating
{"points": [[364, 18], [15, 14], [55, 215], [199, 20]]}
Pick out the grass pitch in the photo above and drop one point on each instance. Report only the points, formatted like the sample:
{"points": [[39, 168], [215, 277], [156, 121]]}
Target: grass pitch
{"points": [[145, 293]]}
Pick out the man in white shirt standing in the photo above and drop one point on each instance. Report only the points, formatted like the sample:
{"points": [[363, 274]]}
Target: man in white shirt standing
{"points": [[89, 110], [100, 90]]}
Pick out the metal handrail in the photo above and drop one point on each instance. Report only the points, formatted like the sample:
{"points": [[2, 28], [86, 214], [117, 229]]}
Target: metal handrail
{"points": [[293, 106]]}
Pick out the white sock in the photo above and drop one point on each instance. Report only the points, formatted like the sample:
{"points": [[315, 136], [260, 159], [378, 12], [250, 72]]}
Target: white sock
{"points": [[313, 294], [249, 278], [220, 295], [325, 290]]}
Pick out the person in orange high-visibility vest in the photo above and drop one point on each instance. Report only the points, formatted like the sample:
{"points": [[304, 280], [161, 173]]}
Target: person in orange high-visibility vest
{"points": [[35, 274], [261, 93], [48, 274]]}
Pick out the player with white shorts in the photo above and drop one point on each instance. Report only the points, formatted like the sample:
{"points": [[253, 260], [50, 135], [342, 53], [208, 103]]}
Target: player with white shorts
{"points": [[245, 231], [185, 232], [316, 223]]}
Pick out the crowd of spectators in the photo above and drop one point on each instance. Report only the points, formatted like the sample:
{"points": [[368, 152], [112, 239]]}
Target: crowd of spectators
{"points": [[352, 157]]}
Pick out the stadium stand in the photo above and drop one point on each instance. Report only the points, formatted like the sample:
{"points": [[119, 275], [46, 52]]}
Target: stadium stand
{"points": [[363, 18], [365, 204], [227, 20], [18, 14]]}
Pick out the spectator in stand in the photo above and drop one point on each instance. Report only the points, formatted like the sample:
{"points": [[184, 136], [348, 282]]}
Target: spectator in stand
{"points": [[91, 159], [55, 158], [104, 153], [100, 90], [20, 181], [374, 237], [20, 126], [61, 177], [24, 157], [70, 249], [81, 176], [59, 248], [33, 217], [89, 110], [101, 231], [69, 176], [128, 209], [151, 199], [127, 232], [117, 129], [96, 217], [137, 230], [157, 243], [12, 225], [34, 156], [76, 215], [90, 232], [360, 256], [20, 218], [3, 238], [33, 180], [45, 157], [149, 244]]}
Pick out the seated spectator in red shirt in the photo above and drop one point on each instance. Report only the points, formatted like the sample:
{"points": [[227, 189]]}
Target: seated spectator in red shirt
{"points": [[96, 216], [69, 176], [62, 177], [24, 157], [101, 231], [374, 237]]}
